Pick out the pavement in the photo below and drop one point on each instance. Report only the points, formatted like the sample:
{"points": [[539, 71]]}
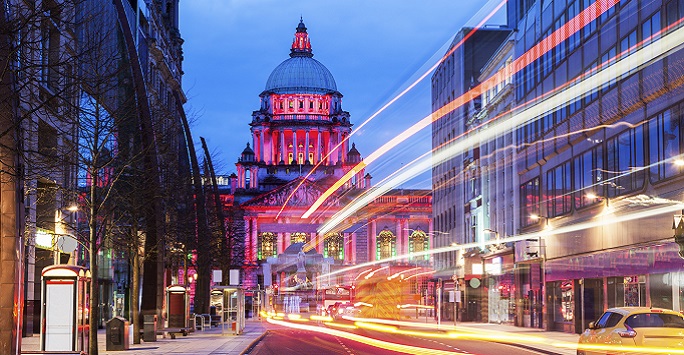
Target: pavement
{"points": [[216, 341], [540, 340], [213, 341]]}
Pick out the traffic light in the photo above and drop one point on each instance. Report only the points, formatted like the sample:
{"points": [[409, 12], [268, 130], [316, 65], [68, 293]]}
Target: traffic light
{"points": [[678, 226], [275, 289]]}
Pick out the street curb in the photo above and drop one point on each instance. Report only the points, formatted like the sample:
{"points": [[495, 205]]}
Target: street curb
{"points": [[254, 343]]}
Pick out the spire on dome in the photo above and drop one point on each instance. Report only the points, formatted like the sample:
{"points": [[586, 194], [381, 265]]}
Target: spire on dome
{"points": [[301, 46]]}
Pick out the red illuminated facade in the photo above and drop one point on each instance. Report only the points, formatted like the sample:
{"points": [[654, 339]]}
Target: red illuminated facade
{"points": [[298, 150]]}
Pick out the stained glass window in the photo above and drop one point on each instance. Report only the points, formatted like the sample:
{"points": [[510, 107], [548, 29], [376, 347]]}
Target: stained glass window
{"points": [[386, 246], [267, 245], [299, 237], [334, 246], [419, 241]]}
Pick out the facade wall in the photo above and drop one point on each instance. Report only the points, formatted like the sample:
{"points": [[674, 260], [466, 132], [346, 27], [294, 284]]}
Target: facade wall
{"points": [[457, 181], [619, 143]]}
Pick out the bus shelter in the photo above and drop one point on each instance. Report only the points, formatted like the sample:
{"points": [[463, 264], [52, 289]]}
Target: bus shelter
{"points": [[230, 305]]}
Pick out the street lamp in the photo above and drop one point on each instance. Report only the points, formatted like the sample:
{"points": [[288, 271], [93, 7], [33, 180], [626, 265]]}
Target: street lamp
{"points": [[494, 246], [536, 217], [592, 196]]}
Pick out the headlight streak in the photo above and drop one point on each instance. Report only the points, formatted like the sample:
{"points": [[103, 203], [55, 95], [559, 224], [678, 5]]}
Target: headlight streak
{"points": [[573, 25], [634, 61], [520, 237], [356, 169], [451, 332], [362, 339]]}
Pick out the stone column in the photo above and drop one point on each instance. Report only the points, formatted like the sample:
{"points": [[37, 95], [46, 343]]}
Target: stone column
{"points": [[317, 242], [254, 237], [347, 248], [273, 140], [374, 240], [283, 146], [352, 256], [400, 237], [431, 234], [329, 160], [345, 145], [254, 180], [317, 158], [295, 151], [338, 151], [257, 145], [306, 147]]}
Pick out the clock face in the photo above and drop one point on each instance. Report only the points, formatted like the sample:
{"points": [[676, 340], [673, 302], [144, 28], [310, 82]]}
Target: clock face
{"points": [[474, 282]]}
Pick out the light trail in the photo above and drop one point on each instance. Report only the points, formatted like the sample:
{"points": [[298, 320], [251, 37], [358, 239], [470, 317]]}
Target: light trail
{"points": [[633, 61], [408, 349], [397, 97], [444, 331], [544, 233], [564, 32]]}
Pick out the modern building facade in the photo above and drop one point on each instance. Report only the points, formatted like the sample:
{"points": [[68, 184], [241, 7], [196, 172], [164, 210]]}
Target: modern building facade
{"points": [[461, 210], [601, 159], [597, 179]]}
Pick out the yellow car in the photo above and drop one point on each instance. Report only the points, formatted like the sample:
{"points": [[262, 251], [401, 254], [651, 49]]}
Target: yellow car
{"points": [[633, 330]]}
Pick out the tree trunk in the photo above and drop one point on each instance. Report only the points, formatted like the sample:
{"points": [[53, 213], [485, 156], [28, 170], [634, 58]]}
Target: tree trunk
{"points": [[135, 299], [92, 253], [225, 242]]}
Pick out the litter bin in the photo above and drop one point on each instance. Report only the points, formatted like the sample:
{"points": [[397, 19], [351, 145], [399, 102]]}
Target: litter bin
{"points": [[150, 327], [117, 334]]}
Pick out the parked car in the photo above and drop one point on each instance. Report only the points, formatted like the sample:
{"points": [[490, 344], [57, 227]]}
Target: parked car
{"points": [[632, 327]]}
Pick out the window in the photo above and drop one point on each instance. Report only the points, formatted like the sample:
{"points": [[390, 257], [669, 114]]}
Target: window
{"points": [[299, 237], [625, 162], [560, 49], [386, 246], [608, 58], [558, 190], [529, 201], [266, 245], [628, 46], [649, 32], [418, 241], [588, 175], [574, 38], [664, 136], [607, 14], [334, 246], [655, 320], [608, 320], [590, 27], [593, 94]]}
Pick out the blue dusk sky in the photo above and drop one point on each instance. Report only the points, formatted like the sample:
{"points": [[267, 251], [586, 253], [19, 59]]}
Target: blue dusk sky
{"points": [[373, 48]]}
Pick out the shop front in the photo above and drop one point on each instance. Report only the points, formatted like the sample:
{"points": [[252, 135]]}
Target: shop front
{"points": [[579, 289], [500, 281]]}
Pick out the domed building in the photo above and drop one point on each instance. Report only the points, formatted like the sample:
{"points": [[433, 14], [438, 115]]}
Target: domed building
{"points": [[299, 149]]}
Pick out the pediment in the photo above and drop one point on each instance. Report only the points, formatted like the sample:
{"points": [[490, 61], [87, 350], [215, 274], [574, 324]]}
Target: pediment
{"points": [[304, 196]]}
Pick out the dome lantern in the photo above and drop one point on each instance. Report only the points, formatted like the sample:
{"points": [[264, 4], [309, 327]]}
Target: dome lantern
{"points": [[300, 74], [301, 46]]}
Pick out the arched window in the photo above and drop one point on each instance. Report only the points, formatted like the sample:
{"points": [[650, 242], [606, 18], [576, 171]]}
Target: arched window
{"points": [[386, 246], [334, 246], [299, 237], [419, 241], [267, 245]]}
